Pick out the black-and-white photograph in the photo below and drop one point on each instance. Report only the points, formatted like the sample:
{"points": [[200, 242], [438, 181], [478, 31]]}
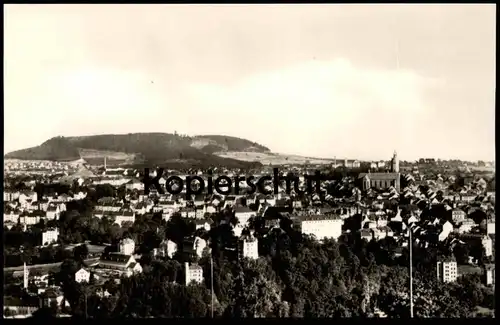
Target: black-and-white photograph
{"points": [[249, 161]]}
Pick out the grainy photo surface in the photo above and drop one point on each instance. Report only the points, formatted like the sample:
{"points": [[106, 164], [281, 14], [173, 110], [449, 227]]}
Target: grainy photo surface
{"points": [[255, 161]]}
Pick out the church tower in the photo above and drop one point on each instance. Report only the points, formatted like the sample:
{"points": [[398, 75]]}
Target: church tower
{"points": [[395, 163]]}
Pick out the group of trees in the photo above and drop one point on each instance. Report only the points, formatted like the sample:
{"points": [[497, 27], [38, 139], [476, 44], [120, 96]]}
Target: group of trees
{"points": [[296, 276]]}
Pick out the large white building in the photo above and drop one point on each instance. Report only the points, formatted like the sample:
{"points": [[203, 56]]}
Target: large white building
{"points": [[127, 246], [193, 272], [50, 236], [447, 271], [322, 226], [249, 247]]}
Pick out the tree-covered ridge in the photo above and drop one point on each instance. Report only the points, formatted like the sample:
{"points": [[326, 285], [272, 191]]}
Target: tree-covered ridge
{"points": [[321, 280], [58, 149], [152, 148]]}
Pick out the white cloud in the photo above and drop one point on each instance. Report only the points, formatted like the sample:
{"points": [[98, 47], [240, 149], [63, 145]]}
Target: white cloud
{"points": [[87, 100], [325, 108]]}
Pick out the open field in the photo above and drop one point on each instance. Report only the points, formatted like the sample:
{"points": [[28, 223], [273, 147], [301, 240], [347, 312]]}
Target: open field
{"points": [[273, 158], [94, 157], [91, 153]]}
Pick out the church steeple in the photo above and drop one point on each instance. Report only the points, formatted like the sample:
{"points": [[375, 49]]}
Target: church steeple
{"points": [[395, 163]]}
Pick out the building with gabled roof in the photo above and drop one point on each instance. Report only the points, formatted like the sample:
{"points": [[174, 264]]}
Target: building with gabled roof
{"points": [[116, 261]]}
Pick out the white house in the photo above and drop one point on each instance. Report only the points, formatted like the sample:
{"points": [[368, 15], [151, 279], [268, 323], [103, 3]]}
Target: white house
{"points": [[119, 262], [458, 215], [167, 248], [466, 226], [52, 212], [125, 216], [199, 211], [209, 208], [127, 246], [413, 219], [397, 217], [188, 213], [199, 246], [382, 232], [82, 275], [134, 184], [11, 217], [50, 236], [488, 245], [28, 196], [202, 224], [446, 229], [133, 269], [80, 195], [29, 219], [490, 227], [193, 272], [249, 247], [10, 196]]}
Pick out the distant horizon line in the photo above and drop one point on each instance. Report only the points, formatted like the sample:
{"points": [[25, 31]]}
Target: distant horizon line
{"points": [[339, 163]]}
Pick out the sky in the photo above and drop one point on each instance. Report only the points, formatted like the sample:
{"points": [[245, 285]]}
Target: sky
{"points": [[355, 81]]}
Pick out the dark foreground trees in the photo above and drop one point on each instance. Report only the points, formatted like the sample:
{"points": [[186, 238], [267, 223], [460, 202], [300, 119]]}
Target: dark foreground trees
{"points": [[295, 277]]}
